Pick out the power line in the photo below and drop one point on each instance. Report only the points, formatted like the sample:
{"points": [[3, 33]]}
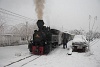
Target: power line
{"points": [[14, 14]]}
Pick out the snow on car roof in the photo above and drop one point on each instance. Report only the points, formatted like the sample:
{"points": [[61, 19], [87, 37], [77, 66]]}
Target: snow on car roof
{"points": [[79, 38]]}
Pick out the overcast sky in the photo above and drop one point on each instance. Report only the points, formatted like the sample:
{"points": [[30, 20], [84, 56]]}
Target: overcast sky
{"points": [[69, 14]]}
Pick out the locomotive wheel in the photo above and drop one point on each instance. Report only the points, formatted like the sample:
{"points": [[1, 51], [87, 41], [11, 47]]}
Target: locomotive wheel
{"points": [[53, 45], [48, 48]]}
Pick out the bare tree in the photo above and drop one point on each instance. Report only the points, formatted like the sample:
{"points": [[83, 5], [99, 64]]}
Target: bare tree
{"points": [[2, 27], [91, 35], [26, 30], [2, 23]]}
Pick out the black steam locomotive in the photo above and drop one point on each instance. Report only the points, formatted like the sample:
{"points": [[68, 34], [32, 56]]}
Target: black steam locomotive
{"points": [[44, 39]]}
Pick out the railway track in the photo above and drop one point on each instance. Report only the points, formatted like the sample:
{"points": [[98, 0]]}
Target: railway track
{"points": [[12, 63], [30, 61]]}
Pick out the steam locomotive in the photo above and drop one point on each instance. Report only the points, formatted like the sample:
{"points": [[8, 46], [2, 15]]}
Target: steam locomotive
{"points": [[44, 39]]}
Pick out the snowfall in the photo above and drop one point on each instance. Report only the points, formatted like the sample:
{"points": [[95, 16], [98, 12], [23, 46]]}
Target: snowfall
{"points": [[56, 58]]}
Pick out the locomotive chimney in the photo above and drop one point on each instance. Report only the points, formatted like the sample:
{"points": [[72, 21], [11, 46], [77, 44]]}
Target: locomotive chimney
{"points": [[40, 24]]}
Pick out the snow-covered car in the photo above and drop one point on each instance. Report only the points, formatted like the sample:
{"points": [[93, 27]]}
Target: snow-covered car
{"points": [[79, 42]]}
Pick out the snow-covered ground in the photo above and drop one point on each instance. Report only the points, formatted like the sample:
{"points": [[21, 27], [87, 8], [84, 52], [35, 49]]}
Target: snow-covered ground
{"points": [[56, 58]]}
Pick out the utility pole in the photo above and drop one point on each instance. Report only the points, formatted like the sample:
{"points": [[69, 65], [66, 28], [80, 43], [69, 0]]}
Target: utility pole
{"points": [[27, 31], [89, 27], [95, 18], [89, 48]]}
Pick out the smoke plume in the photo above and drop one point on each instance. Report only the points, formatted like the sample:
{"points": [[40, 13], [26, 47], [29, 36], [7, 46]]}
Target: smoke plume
{"points": [[39, 4]]}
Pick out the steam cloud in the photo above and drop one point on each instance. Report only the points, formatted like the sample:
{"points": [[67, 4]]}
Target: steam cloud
{"points": [[39, 8]]}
